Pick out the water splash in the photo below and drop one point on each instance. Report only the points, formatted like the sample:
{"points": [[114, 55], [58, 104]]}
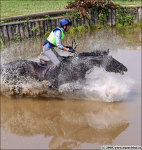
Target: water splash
{"points": [[100, 86], [107, 86], [14, 83], [29, 87]]}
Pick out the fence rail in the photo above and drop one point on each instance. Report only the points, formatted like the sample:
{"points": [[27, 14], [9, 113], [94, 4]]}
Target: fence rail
{"points": [[35, 16]]}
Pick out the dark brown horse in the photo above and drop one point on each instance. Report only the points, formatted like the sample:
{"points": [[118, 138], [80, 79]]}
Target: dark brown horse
{"points": [[71, 69]]}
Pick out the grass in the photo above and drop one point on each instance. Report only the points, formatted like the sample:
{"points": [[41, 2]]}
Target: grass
{"points": [[11, 8], [128, 2], [131, 32]]}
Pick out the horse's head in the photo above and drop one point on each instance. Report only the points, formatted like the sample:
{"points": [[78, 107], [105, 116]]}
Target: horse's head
{"points": [[101, 58], [112, 65]]}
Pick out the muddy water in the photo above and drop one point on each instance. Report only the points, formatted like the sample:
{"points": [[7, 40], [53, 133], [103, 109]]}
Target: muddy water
{"points": [[106, 112]]}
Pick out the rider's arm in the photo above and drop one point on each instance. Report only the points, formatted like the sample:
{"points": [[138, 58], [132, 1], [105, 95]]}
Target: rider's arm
{"points": [[58, 40]]}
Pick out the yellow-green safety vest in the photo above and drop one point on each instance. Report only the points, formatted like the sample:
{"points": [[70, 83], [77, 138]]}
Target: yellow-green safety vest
{"points": [[51, 37]]}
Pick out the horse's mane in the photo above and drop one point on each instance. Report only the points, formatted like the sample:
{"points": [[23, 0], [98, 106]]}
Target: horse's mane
{"points": [[95, 53]]}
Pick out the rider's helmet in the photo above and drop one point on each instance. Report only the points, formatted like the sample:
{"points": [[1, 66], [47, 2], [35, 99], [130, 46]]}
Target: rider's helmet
{"points": [[65, 22]]}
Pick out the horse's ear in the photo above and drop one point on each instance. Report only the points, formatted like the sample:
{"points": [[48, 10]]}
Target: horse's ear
{"points": [[106, 52]]}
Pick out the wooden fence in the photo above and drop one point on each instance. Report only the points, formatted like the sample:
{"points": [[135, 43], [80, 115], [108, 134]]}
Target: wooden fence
{"points": [[27, 29]]}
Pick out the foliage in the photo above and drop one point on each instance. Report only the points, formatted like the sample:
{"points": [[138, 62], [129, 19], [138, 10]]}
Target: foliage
{"points": [[35, 28], [101, 18], [2, 22], [47, 18], [1, 42], [46, 34], [84, 6], [124, 17], [76, 15], [75, 30], [17, 38], [101, 7]]}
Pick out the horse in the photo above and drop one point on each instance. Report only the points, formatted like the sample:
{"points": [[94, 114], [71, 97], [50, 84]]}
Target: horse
{"points": [[71, 69]]}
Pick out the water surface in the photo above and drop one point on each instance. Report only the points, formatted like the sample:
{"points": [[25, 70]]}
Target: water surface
{"points": [[106, 112]]}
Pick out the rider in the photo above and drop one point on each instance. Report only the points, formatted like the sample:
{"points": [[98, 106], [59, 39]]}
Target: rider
{"points": [[55, 40]]}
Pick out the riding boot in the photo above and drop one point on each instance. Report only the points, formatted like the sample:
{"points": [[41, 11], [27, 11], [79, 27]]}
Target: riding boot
{"points": [[53, 77]]}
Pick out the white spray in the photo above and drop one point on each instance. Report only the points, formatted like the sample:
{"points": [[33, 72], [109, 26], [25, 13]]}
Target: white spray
{"points": [[105, 86], [101, 86]]}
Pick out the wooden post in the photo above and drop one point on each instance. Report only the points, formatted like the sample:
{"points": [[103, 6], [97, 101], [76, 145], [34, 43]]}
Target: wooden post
{"points": [[49, 25], [12, 31], [87, 23], [109, 17], [19, 34], [2, 35], [55, 22], [26, 31], [136, 18], [44, 26], [96, 18], [31, 28], [83, 21], [80, 22], [9, 32], [41, 27], [37, 30], [75, 22], [113, 17], [21, 31], [92, 17], [34, 29], [58, 22], [5, 33], [140, 14]]}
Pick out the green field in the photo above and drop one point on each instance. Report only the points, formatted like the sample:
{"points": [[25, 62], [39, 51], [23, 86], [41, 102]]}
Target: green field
{"points": [[128, 2], [22, 7]]}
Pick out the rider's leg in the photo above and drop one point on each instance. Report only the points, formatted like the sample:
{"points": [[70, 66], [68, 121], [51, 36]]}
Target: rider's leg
{"points": [[49, 52], [53, 71]]}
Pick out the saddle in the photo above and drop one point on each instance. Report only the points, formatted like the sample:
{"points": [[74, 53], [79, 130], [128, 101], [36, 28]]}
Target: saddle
{"points": [[44, 61]]}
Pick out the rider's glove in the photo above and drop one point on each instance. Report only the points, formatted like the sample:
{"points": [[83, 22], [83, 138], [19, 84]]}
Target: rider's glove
{"points": [[70, 49]]}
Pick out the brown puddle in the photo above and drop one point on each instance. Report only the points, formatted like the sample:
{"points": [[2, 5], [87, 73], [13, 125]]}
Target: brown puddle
{"points": [[67, 122], [53, 123]]}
